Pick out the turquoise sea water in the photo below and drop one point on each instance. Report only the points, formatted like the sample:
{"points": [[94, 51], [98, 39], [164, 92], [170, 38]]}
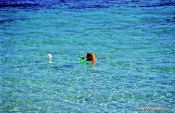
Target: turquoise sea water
{"points": [[134, 46]]}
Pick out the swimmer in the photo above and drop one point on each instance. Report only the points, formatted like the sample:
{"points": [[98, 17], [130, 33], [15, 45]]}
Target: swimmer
{"points": [[89, 57]]}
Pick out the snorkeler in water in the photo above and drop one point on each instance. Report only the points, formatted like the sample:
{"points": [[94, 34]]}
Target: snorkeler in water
{"points": [[89, 57]]}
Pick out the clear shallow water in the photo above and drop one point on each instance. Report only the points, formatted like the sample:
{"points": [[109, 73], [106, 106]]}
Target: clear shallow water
{"points": [[135, 47]]}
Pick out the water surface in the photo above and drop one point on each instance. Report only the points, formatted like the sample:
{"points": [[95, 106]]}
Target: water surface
{"points": [[135, 48]]}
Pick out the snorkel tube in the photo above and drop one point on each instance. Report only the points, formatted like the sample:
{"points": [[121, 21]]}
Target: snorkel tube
{"points": [[82, 59]]}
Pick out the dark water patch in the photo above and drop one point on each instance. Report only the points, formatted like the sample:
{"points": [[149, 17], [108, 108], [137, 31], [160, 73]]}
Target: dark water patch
{"points": [[19, 5], [6, 21], [159, 4], [73, 4], [62, 1], [9, 20], [80, 4], [65, 66], [170, 20], [28, 4], [86, 5]]}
